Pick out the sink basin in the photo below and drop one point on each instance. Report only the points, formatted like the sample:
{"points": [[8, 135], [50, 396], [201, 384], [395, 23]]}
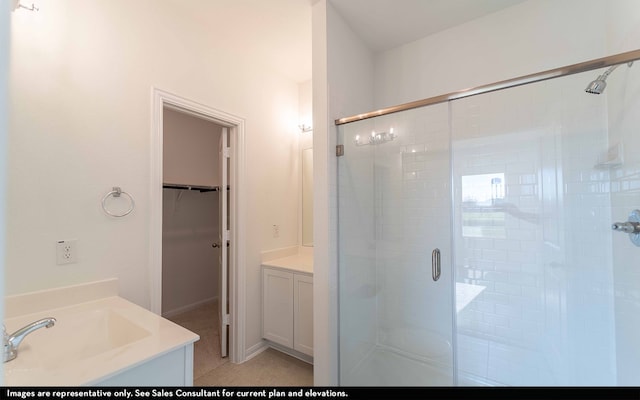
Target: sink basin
{"points": [[92, 341], [79, 336], [76, 336]]}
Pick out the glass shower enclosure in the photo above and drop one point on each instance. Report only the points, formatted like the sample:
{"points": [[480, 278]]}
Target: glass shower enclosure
{"points": [[476, 243]]}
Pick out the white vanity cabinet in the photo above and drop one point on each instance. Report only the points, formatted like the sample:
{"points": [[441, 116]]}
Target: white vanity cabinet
{"points": [[287, 308], [172, 369], [303, 313]]}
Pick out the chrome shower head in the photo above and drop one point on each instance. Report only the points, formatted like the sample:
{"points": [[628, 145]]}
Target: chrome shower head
{"points": [[598, 85]]}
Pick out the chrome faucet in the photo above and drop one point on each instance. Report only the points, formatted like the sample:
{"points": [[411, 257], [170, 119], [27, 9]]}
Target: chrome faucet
{"points": [[11, 342]]}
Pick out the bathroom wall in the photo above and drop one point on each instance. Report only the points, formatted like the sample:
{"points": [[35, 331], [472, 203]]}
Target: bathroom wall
{"points": [[526, 38], [342, 85], [623, 97], [542, 280], [4, 57], [81, 81], [501, 46], [191, 150], [305, 141], [358, 285], [529, 37], [412, 218], [305, 103], [392, 215], [190, 265]]}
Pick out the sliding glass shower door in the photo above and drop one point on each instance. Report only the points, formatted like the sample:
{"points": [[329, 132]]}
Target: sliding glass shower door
{"points": [[395, 250], [476, 243]]}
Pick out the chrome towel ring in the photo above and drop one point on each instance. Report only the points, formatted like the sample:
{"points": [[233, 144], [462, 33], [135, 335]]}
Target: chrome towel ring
{"points": [[117, 192]]}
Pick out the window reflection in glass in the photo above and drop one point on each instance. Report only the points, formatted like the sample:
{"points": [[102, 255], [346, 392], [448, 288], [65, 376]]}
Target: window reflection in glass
{"points": [[482, 214]]}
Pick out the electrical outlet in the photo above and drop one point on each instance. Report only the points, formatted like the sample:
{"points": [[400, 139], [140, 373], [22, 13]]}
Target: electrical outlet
{"points": [[276, 231], [66, 252]]}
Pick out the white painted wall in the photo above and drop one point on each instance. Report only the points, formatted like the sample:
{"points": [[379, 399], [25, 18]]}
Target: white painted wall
{"points": [[305, 103], [529, 37], [4, 65], [324, 301], [190, 265], [191, 150], [342, 85], [305, 142], [81, 80]]}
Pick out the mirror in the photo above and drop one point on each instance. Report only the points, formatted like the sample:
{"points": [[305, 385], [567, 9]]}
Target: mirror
{"points": [[307, 197]]}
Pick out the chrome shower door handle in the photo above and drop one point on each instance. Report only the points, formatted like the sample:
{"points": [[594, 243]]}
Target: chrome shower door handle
{"points": [[435, 264]]}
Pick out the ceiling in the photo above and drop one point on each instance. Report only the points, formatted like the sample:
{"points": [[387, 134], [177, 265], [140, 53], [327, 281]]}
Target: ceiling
{"points": [[385, 24], [279, 31]]}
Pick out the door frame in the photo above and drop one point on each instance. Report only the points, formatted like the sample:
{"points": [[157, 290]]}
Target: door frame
{"points": [[237, 204]]}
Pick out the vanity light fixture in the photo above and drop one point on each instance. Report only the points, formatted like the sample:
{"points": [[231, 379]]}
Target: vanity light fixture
{"points": [[17, 4], [376, 138], [305, 128]]}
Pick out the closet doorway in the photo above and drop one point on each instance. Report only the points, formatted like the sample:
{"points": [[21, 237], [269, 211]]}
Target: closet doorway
{"points": [[196, 224]]}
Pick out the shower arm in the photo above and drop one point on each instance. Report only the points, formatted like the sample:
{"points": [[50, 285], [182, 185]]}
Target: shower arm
{"points": [[608, 72]]}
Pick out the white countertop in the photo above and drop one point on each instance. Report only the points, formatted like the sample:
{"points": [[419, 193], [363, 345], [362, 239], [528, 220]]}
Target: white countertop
{"points": [[90, 341], [297, 263]]}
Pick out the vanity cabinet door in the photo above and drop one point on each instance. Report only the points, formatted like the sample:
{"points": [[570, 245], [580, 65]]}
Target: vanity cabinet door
{"points": [[277, 306], [303, 313]]}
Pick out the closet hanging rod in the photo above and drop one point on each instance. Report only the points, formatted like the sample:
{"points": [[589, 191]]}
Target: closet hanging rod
{"points": [[191, 187]]}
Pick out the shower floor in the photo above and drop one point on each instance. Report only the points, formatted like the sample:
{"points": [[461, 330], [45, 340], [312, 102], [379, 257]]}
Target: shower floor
{"points": [[385, 367], [486, 362], [481, 362]]}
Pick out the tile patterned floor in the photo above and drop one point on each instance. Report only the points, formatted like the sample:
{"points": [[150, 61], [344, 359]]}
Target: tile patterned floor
{"points": [[269, 368]]}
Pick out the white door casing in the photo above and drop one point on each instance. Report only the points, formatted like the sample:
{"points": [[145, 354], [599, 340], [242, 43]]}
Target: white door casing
{"points": [[223, 240], [237, 204]]}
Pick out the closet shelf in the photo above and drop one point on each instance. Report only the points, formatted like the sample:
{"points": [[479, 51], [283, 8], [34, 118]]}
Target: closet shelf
{"points": [[190, 187]]}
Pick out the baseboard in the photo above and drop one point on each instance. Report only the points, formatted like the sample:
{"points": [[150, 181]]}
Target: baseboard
{"points": [[188, 307], [255, 350], [290, 351]]}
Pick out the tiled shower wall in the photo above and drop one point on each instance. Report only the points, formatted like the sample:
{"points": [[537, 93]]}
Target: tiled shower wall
{"points": [[357, 275], [394, 210], [546, 269], [412, 206], [624, 122]]}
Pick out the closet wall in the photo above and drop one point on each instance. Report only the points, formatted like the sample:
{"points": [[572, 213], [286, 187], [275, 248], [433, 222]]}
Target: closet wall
{"points": [[190, 217]]}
